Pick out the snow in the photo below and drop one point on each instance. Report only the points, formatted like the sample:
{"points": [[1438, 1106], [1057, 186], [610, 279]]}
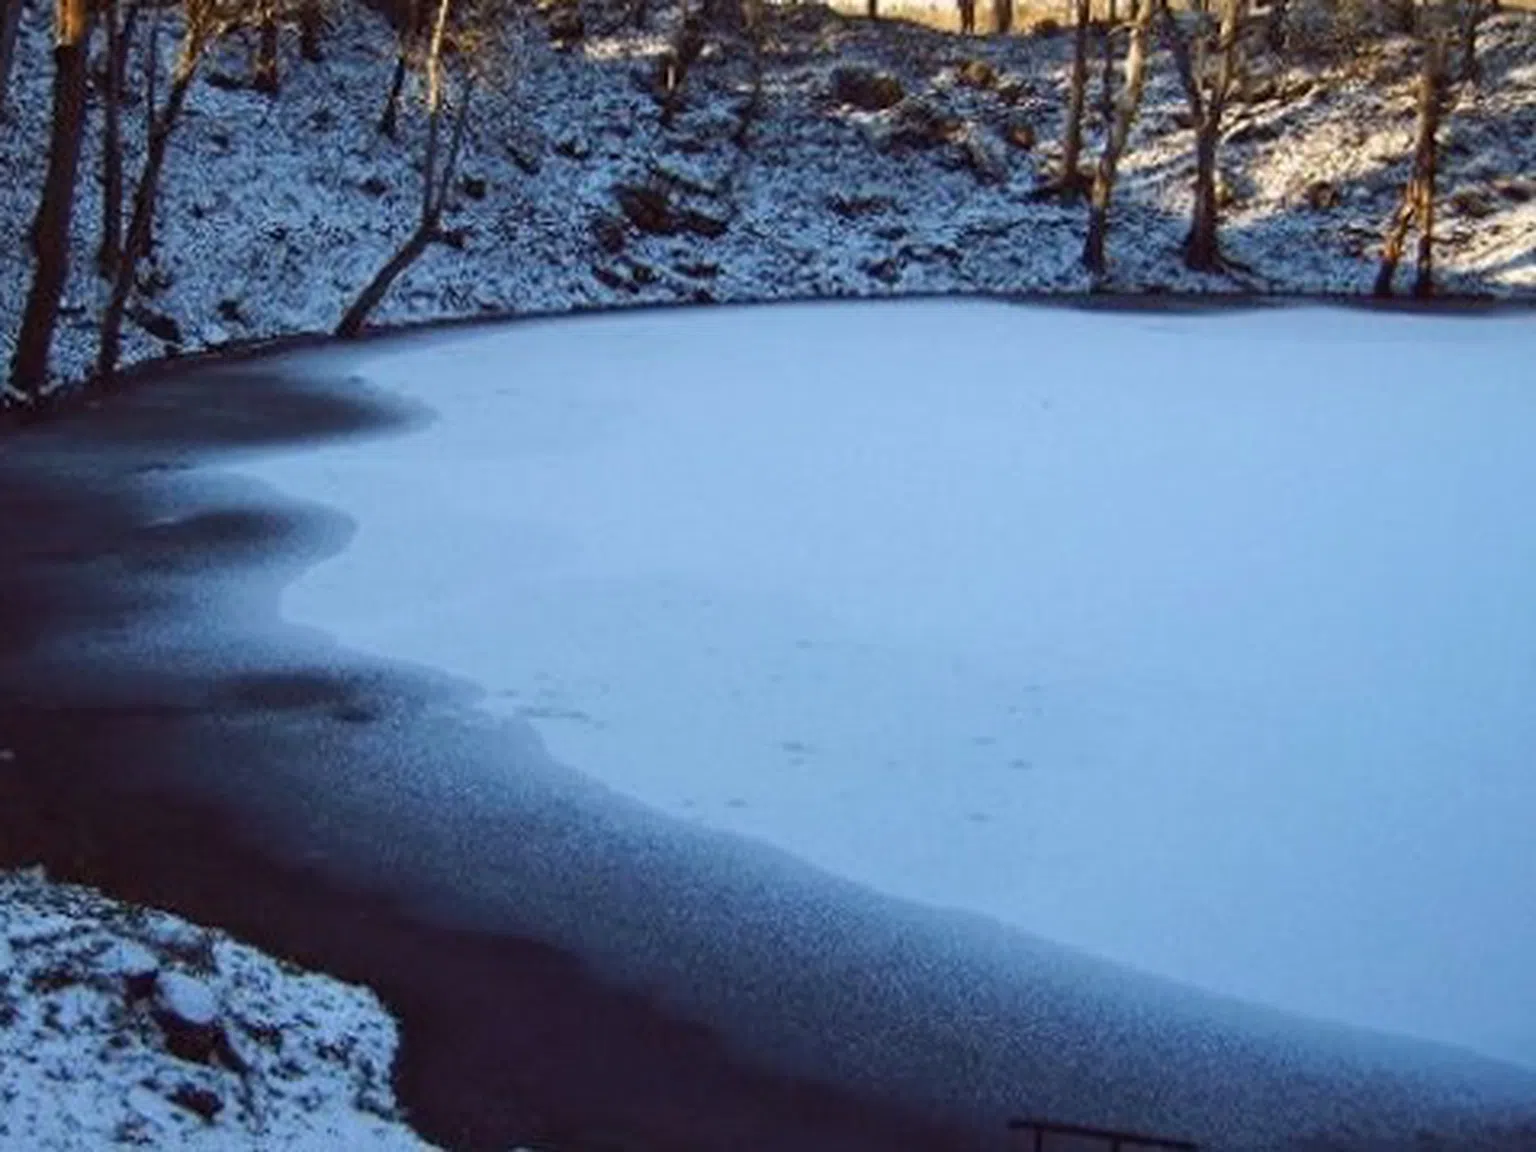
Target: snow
{"points": [[1198, 642], [274, 213], [86, 1061]]}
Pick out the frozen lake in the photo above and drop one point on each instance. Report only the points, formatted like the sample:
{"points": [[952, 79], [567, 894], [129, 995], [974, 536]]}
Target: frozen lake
{"points": [[1203, 643]]}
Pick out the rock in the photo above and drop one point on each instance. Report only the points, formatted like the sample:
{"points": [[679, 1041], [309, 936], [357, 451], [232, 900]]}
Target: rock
{"points": [[699, 269], [976, 74], [566, 24], [229, 311], [157, 324], [609, 234], [922, 124], [701, 223], [851, 207], [574, 146], [1019, 131], [1518, 189], [1474, 203], [887, 271], [474, 187], [204, 1102], [322, 120], [187, 1011], [132, 963], [647, 208], [374, 185], [865, 88], [1321, 195], [1013, 90], [982, 158]]}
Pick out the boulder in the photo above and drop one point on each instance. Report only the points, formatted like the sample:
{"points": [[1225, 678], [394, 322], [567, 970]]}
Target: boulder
{"points": [[647, 208], [865, 88]]}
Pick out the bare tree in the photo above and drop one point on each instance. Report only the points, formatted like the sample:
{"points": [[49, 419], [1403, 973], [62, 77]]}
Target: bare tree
{"points": [[203, 22], [1207, 91], [472, 47], [1072, 181], [10, 25], [50, 228], [1470, 16], [408, 35], [120, 29], [1418, 202], [265, 71], [1118, 136]]}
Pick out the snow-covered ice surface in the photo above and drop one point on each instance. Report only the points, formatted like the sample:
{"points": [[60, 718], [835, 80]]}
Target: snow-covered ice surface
{"points": [[1201, 643], [124, 1026]]}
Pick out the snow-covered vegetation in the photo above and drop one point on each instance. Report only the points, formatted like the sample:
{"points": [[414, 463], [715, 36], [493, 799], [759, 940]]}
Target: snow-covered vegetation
{"points": [[850, 158], [126, 1027]]}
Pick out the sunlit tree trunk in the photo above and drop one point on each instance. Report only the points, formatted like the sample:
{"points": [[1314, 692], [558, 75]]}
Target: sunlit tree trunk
{"points": [[1418, 202], [1118, 136], [50, 230], [1202, 252], [1072, 180]]}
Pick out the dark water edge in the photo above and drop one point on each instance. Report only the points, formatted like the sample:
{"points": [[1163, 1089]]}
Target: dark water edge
{"points": [[504, 1039], [89, 395], [200, 771]]}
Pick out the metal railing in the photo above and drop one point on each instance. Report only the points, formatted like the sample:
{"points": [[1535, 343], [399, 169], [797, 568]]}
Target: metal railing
{"points": [[1117, 1141]]}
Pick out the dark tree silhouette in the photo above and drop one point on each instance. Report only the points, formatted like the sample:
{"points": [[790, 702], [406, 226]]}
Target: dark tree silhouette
{"points": [[203, 23], [50, 229], [120, 29], [439, 164]]}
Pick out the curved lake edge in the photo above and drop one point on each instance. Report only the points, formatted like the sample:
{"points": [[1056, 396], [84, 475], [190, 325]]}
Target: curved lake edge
{"points": [[343, 923], [87, 394]]}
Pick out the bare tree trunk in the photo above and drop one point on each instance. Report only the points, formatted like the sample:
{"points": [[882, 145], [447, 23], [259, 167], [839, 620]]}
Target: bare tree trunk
{"points": [[368, 299], [389, 121], [10, 25], [266, 79], [1107, 68], [1202, 252], [1114, 145], [872, 9], [1419, 196], [311, 29], [1072, 179], [119, 41], [1277, 26], [137, 246], [436, 179], [409, 32], [1002, 16], [50, 229], [1473, 13]]}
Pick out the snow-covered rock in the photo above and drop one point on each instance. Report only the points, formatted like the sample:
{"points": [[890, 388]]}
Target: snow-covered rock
{"points": [[124, 1026]]}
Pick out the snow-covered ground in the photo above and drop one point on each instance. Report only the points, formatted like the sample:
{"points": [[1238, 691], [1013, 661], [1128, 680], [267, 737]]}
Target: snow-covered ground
{"points": [[122, 1026], [1201, 643], [275, 212]]}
